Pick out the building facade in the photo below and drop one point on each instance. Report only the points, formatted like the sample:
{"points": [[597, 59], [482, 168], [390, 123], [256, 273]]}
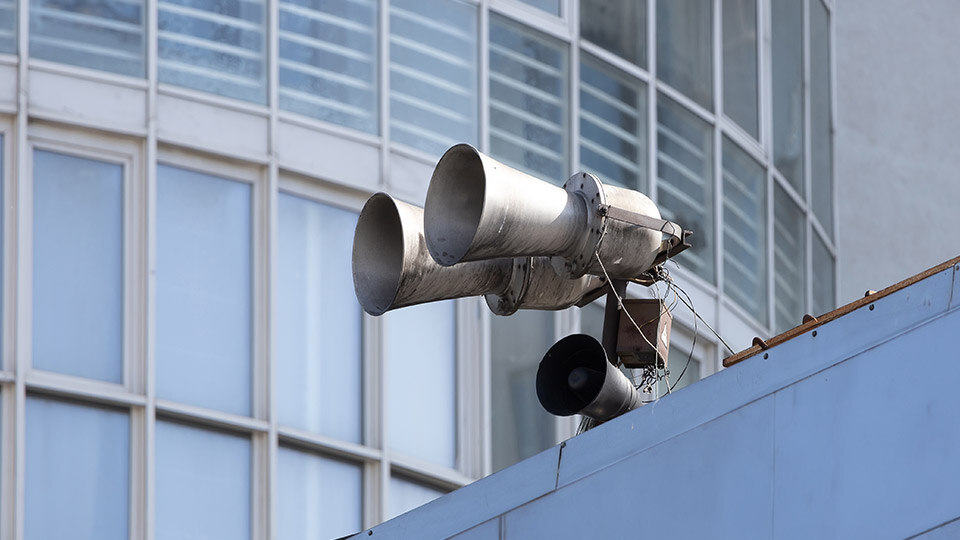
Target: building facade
{"points": [[182, 353]]}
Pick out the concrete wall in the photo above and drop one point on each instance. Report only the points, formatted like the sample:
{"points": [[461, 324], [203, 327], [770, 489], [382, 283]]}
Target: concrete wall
{"points": [[898, 156], [849, 432]]}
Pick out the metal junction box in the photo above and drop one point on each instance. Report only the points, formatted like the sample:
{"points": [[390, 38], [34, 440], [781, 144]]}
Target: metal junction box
{"points": [[649, 349]]}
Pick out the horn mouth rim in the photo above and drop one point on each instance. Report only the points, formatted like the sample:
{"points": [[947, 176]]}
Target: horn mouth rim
{"points": [[454, 204], [557, 363], [378, 250]]}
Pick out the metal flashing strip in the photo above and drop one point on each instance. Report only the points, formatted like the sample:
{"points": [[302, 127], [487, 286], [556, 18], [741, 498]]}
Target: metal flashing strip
{"points": [[814, 322]]}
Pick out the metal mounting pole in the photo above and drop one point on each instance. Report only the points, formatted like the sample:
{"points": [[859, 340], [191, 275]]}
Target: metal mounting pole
{"points": [[611, 319]]}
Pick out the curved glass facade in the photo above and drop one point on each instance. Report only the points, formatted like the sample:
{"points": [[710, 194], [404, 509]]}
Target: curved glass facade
{"points": [[182, 179]]}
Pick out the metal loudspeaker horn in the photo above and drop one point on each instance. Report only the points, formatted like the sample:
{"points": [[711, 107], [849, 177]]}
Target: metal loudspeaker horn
{"points": [[575, 377], [478, 208], [392, 269]]}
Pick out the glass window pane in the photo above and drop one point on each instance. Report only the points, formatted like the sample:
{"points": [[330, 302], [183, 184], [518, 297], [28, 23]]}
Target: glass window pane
{"points": [[8, 26], [823, 275], [216, 46], [77, 471], [318, 321], [550, 6], [684, 368], [740, 63], [620, 26], [328, 61], [591, 320], [521, 426], [106, 34], [613, 125], [420, 373], [821, 136], [528, 100], [744, 231], [789, 260], [685, 48], [406, 495], [787, 64], [203, 290], [318, 497], [685, 188], [203, 483], [78, 266], [433, 73]]}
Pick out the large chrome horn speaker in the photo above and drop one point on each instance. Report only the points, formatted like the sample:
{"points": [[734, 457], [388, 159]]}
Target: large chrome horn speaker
{"points": [[478, 208], [575, 377], [392, 269]]}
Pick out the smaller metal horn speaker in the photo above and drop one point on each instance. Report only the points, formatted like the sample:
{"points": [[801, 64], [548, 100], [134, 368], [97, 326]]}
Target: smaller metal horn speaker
{"points": [[392, 269], [575, 378]]}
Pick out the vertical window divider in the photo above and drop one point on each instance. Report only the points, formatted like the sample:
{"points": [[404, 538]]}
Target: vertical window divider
{"points": [[573, 85], [268, 498], [483, 68], [834, 195], [383, 83], [147, 488], [373, 425], [22, 313], [715, 359], [807, 161], [652, 96]]}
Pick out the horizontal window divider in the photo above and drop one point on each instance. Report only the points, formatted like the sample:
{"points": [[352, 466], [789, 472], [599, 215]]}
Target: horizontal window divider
{"points": [[7, 377], [735, 237], [531, 63], [415, 154], [528, 146], [431, 23], [432, 80], [428, 473], [87, 48], [88, 74], [688, 174], [739, 265], [735, 210], [306, 440], [58, 117], [742, 139], [211, 16], [202, 416], [208, 45], [609, 127], [91, 20], [741, 188], [321, 44], [523, 115], [431, 107], [321, 73], [533, 18], [690, 147], [617, 62], [824, 236], [56, 384], [299, 120], [329, 18], [791, 191], [689, 104], [610, 155], [435, 53], [625, 108], [328, 103], [422, 133], [215, 100]]}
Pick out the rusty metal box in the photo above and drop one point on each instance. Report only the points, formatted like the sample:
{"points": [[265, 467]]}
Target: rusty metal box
{"points": [[650, 348]]}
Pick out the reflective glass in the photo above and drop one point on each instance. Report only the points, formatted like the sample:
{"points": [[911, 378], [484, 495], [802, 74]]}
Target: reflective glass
{"points": [[744, 231], [740, 91], [789, 261], [317, 497], [620, 26], [77, 266], [203, 483], [328, 61], [8, 26], [685, 48], [318, 321], [528, 100], [821, 133], [684, 368], [77, 471], [591, 320], [613, 125], [105, 34], [433, 73], [216, 46], [521, 426], [420, 375], [406, 495], [822, 278], [550, 6], [685, 188], [787, 65], [203, 290]]}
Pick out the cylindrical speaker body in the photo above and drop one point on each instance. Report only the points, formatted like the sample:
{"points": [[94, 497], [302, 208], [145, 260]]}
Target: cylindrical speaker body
{"points": [[536, 285], [626, 250], [575, 377], [392, 268], [478, 208]]}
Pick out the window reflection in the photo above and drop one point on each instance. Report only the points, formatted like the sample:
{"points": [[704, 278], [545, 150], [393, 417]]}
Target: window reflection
{"points": [[822, 278], [685, 48], [318, 497], [821, 132], [789, 257], [620, 26], [744, 230], [787, 66], [406, 495], [740, 99]]}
